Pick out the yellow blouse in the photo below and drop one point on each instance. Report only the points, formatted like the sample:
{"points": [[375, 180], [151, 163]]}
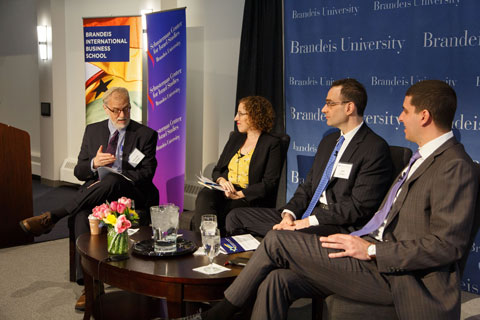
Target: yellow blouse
{"points": [[238, 169]]}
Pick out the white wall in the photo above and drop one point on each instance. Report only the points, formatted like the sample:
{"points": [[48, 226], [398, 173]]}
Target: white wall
{"points": [[19, 92], [213, 39], [221, 22]]}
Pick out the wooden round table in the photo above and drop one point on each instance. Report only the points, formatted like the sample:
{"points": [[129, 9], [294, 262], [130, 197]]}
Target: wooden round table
{"points": [[171, 278]]}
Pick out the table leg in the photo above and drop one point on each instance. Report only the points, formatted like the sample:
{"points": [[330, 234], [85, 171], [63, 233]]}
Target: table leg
{"points": [[89, 295], [175, 309]]}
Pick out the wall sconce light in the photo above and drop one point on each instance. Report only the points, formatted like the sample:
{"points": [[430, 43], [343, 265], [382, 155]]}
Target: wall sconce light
{"points": [[42, 42], [143, 12]]}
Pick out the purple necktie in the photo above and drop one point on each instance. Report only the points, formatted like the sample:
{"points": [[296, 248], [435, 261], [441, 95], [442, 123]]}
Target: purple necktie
{"points": [[112, 145], [325, 178], [381, 214]]}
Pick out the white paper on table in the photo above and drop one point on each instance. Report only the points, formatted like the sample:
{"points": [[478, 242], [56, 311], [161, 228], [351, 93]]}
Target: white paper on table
{"points": [[211, 269], [247, 241]]}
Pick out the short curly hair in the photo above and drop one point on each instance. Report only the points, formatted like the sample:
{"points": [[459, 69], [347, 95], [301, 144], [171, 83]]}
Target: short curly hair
{"points": [[260, 111]]}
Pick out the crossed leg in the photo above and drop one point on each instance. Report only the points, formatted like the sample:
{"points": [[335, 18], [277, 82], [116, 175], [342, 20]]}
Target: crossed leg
{"points": [[289, 265]]}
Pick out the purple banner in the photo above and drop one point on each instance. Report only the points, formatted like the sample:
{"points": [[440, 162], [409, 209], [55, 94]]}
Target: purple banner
{"points": [[167, 82]]}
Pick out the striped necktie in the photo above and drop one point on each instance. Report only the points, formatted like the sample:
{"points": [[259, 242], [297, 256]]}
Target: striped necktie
{"points": [[325, 178], [381, 214]]}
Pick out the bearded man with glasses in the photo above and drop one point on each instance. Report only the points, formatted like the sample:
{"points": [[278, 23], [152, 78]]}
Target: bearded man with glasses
{"points": [[119, 143]]}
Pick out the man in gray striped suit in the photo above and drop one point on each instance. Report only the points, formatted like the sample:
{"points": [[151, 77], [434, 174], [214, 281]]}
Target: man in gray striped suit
{"points": [[410, 258]]}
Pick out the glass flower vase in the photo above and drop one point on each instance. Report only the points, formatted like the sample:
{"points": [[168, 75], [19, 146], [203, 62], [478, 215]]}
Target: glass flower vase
{"points": [[117, 243]]}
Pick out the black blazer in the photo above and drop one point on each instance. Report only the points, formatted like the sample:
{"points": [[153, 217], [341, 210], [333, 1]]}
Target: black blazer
{"points": [[264, 169], [136, 136], [353, 201]]}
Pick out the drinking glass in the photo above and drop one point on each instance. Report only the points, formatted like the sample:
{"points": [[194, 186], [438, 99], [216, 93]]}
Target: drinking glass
{"points": [[165, 225], [209, 222], [211, 245]]}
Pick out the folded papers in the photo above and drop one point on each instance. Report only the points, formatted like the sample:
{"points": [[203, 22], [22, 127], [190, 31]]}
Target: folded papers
{"points": [[236, 244], [204, 181]]}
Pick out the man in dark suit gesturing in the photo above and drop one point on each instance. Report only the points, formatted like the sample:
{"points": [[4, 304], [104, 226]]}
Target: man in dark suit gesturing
{"points": [[408, 254], [120, 143], [348, 179]]}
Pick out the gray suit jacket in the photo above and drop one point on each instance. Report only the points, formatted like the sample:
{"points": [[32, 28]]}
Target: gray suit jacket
{"points": [[426, 234]]}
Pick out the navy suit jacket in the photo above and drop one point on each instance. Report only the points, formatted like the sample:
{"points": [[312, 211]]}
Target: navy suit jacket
{"points": [[352, 201]]}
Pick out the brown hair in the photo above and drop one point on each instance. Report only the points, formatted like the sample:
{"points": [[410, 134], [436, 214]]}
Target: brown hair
{"points": [[438, 98], [353, 91], [260, 111]]}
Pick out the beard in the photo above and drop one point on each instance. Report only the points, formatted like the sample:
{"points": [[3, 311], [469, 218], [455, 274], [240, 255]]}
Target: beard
{"points": [[121, 126]]}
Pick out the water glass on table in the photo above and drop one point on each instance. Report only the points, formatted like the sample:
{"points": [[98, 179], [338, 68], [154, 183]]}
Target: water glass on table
{"points": [[164, 225], [211, 245], [209, 222]]}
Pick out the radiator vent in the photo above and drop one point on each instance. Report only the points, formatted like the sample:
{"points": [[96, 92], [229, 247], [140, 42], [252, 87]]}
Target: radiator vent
{"points": [[70, 165], [191, 190], [66, 171]]}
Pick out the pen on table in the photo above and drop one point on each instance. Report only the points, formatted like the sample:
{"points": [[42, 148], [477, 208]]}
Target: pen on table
{"points": [[234, 263]]}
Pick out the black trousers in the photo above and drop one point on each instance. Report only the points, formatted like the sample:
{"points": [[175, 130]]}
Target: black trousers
{"points": [[111, 187], [214, 202], [258, 221]]}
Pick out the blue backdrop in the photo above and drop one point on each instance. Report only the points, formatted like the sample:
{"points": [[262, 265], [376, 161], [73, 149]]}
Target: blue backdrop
{"points": [[388, 46]]}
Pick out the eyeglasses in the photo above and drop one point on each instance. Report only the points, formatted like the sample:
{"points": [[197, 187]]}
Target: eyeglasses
{"points": [[116, 111], [333, 103], [241, 113]]}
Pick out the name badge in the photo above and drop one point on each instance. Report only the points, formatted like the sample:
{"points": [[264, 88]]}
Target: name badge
{"points": [[135, 157], [343, 170]]}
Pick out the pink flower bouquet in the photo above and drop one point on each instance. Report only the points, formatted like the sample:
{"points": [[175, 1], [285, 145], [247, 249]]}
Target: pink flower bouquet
{"points": [[118, 216]]}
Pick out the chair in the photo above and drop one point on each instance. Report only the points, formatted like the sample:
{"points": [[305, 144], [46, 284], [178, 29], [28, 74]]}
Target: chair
{"points": [[341, 308], [304, 164], [400, 157], [186, 218]]}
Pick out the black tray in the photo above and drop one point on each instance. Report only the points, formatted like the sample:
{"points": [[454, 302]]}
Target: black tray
{"points": [[145, 248]]}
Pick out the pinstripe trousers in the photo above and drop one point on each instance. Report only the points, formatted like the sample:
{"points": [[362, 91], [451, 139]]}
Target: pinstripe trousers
{"points": [[289, 265]]}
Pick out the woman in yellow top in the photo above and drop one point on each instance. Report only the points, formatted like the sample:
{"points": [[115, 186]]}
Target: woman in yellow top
{"points": [[249, 167]]}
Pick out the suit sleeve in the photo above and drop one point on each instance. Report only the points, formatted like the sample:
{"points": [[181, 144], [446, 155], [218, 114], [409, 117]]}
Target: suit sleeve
{"points": [[356, 205], [145, 170], [82, 170], [449, 206], [271, 172]]}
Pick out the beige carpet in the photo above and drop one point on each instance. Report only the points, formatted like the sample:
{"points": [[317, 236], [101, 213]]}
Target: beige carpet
{"points": [[34, 285], [34, 282]]}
